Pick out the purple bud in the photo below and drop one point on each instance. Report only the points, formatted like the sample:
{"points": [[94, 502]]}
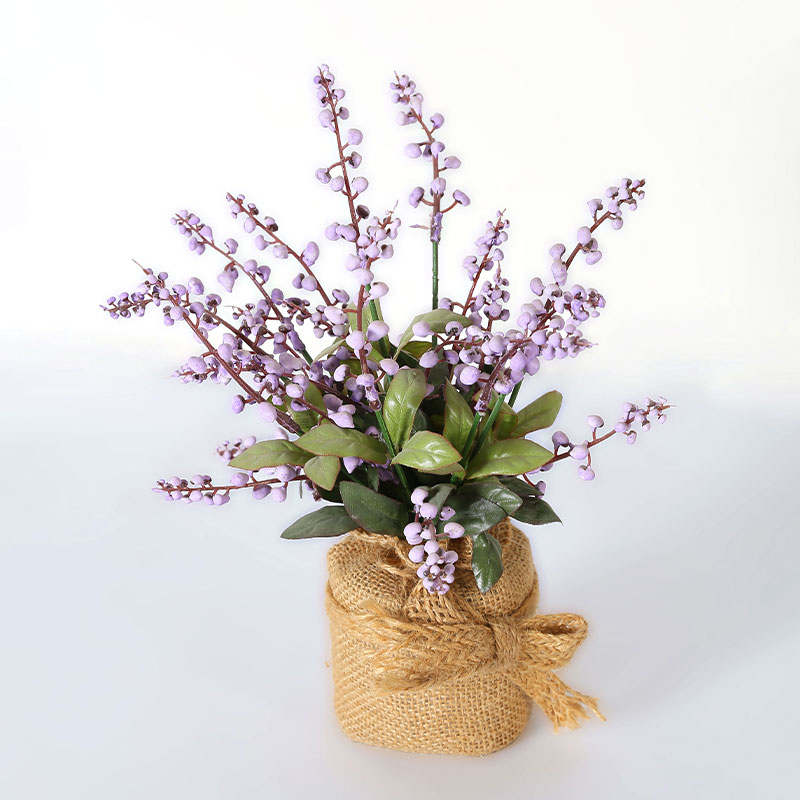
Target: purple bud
{"points": [[579, 451], [417, 554], [354, 136], [268, 412], [389, 366], [428, 359], [310, 254], [419, 495], [586, 473], [356, 340], [461, 198], [197, 364], [428, 511], [454, 530], [421, 329], [377, 330], [593, 257], [469, 375]]}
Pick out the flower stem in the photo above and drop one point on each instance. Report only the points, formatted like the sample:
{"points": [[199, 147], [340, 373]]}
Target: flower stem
{"points": [[435, 275], [471, 437], [514, 394], [390, 446], [487, 428]]}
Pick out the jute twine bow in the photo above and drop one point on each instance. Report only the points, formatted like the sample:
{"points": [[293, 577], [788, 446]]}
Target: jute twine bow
{"points": [[408, 654]]}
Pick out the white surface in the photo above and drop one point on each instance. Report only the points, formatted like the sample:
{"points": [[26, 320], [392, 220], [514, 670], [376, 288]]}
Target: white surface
{"points": [[157, 651]]}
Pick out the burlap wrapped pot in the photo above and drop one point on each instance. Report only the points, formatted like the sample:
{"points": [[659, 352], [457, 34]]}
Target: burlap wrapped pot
{"points": [[444, 674]]}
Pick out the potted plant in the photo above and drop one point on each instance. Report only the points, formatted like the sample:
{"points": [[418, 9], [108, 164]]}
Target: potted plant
{"points": [[409, 440]]}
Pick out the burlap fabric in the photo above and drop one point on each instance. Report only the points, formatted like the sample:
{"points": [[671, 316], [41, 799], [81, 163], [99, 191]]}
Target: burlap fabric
{"points": [[444, 674]]}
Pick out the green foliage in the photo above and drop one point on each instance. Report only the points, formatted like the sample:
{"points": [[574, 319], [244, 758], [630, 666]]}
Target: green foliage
{"points": [[506, 422], [417, 348], [330, 440], [521, 488], [535, 511], [373, 511], [271, 453], [400, 405], [458, 417], [539, 414], [491, 489], [474, 511], [438, 374], [328, 521], [507, 457], [487, 561], [427, 452], [323, 471], [307, 418]]}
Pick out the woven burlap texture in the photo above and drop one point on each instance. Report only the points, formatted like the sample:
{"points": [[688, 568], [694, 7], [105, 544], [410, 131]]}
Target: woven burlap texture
{"points": [[444, 674]]}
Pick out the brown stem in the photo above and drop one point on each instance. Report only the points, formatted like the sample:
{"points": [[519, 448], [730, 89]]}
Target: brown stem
{"points": [[277, 240]]}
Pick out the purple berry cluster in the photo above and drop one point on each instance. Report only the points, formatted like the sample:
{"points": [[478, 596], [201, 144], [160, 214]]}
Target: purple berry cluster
{"points": [[631, 415], [437, 563], [429, 147]]}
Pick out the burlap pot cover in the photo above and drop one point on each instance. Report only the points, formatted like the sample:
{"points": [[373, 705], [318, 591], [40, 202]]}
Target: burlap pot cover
{"points": [[444, 674]]}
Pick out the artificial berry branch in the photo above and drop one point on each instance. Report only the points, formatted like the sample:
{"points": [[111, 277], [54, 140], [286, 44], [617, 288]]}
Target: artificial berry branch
{"points": [[407, 417]]}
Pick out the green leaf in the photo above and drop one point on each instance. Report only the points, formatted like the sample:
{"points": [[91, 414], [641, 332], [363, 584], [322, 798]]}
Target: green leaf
{"points": [[438, 320], [439, 493], [458, 417], [438, 374], [539, 414], [323, 470], [521, 488], [328, 521], [474, 512], [487, 561], [331, 440], [535, 511], [507, 420], [450, 469], [371, 476], [271, 453], [421, 422], [373, 511], [307, 418], [507, 457], [402, 400], [416, 349], [493, 490], [427, 451]]}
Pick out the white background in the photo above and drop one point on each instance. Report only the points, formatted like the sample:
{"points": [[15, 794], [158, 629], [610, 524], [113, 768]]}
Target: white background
{"points": [[158, 651]]}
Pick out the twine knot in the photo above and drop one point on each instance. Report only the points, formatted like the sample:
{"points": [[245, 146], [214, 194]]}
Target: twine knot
{"points": [[506, 641]]}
